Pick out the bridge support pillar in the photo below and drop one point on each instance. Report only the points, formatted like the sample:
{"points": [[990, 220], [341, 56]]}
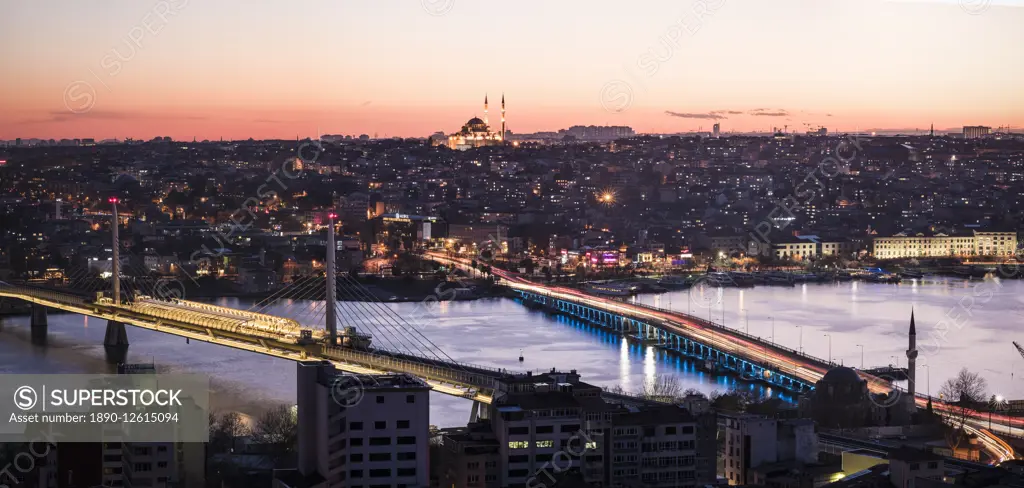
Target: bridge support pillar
{"points": [[39, 324], [115, 342], [477, 412]]}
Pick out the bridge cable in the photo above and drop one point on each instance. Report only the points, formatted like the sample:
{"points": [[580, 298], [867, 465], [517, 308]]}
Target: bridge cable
{"points": [[415, 332], [404, 326], [361, 304], [270, 301], [366, 320]]}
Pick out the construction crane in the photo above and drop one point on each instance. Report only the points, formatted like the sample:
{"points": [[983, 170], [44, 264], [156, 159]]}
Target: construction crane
{"points": [[1019, 349]]}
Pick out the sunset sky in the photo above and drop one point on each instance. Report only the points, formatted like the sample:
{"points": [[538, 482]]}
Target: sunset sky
{"points": [[277, 69]]}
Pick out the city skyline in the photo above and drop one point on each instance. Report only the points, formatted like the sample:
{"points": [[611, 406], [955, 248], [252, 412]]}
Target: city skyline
{"points": [[167, 70]]}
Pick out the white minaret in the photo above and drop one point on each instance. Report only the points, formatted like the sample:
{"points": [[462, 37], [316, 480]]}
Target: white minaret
{"points": [[911, 365], [503, 116], [485, 110]]}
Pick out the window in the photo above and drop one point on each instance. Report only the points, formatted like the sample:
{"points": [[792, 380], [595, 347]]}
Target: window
{"points": [[915, 466], [403, 424], [358, 441], [518, 431], [380, 456], [406, 440], [380, 473], [355, 458], [380, 425], [933, 465], [380, 441], [670, 431], [355, 426], [518, 444], [570, 428], [518, 473], [380, 398], [406, 456], [410, 399], [545, 429], [592, 445], [687, 429], [355, 473], [545, 443], [406, 471], [519, 458]]}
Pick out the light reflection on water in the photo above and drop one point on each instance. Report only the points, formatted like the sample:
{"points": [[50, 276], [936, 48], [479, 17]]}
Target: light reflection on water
{"points": [[491, 332]]}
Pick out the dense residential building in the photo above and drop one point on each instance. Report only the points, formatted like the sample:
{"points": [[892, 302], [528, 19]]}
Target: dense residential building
{"points": [[976, 131], [749, 441], [655, 446], [357, 430]]}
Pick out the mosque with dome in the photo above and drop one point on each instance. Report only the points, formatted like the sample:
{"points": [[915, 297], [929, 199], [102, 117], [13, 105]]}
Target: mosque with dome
{"points": [[476, 132], [842, 399]]}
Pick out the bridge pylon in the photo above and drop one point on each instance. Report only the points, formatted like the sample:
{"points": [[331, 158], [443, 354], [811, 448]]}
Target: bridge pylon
{"points": [[115, 268], [39, 324], [478, 412], [332, 277], [115, 342]]}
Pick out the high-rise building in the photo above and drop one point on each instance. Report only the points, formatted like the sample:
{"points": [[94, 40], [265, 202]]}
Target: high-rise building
{"points": [[717, 129], [359, 430], [976, 131]]}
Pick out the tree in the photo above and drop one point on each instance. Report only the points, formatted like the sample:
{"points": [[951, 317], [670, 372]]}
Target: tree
{"points": [[527, 264], [662, 388], [226, 430], [278, 428], [963, 393]]}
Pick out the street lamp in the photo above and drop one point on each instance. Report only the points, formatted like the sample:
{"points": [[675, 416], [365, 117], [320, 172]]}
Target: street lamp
{"points": [[929, 369], [829, 348], [773, 330], [801, 347], [861, 346]]}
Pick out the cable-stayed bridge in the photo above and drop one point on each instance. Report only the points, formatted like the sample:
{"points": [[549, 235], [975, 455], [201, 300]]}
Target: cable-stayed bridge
{"points": [[298, 322]]}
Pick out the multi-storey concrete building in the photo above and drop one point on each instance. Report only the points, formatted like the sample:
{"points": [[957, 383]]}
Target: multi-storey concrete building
{"points": [[538, 417], [360, 430], [654, 446], [750, 441], [953, 244]]}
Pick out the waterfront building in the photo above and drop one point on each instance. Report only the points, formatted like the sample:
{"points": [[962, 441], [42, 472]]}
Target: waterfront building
{"points": [[359, 429], [953, 244]]}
